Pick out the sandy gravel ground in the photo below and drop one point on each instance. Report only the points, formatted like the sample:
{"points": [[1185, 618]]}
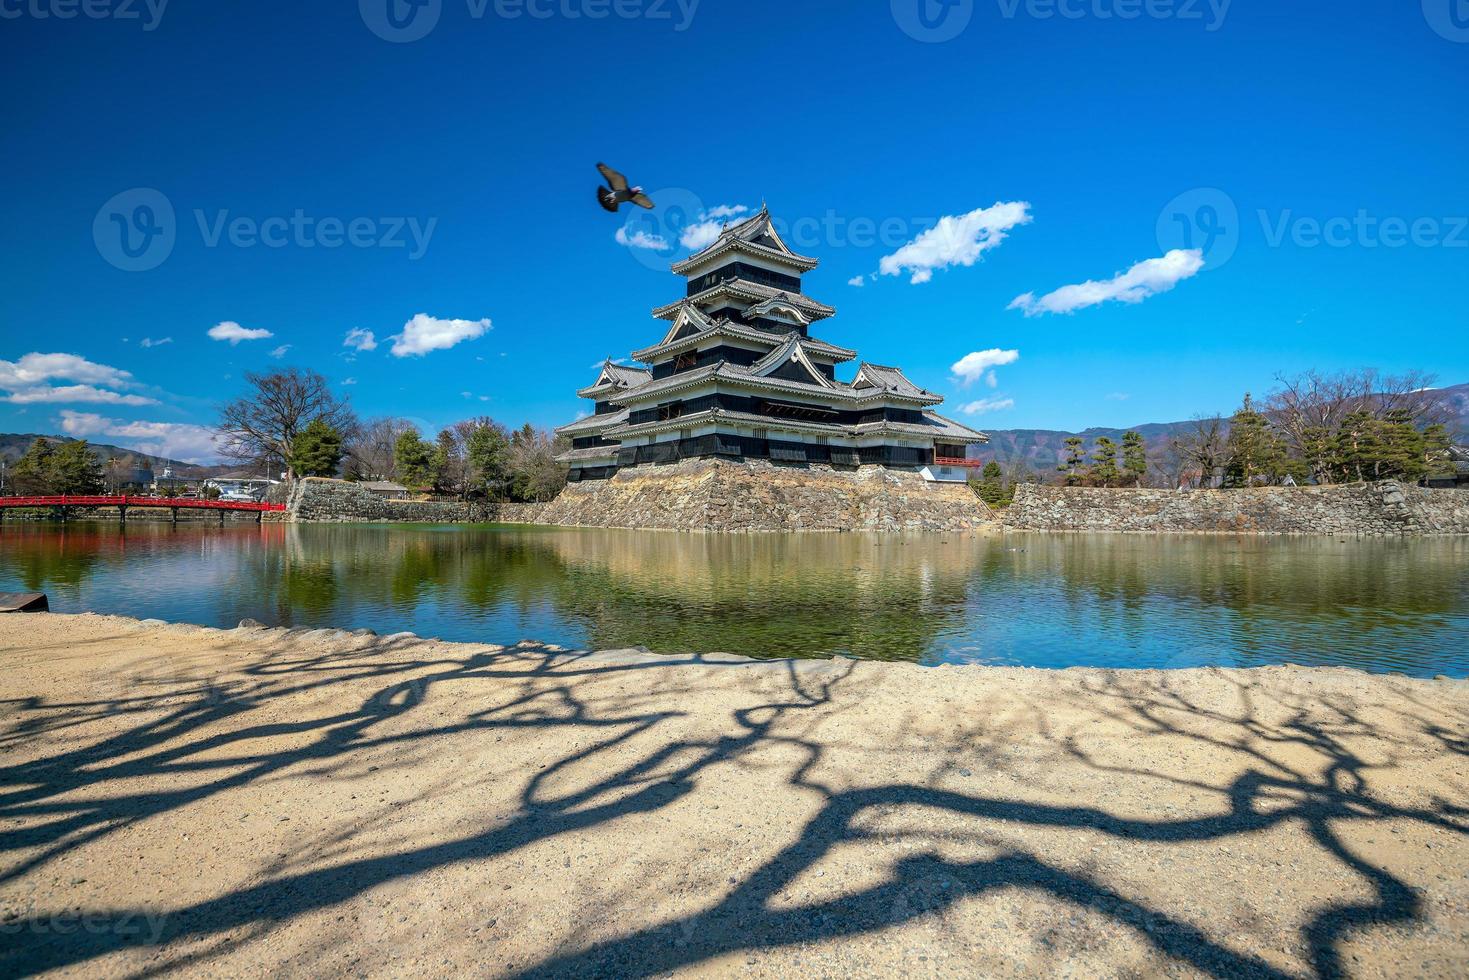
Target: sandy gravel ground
{"points": [[259, 802]]}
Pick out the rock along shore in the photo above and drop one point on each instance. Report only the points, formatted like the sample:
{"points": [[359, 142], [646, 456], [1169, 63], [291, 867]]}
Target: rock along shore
{"points": [[257, 801]]}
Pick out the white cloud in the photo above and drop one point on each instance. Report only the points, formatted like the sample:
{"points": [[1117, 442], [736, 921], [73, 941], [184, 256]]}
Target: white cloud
{"points": [[426, 333], [348, 381], [234, 333], [76, 393], [359, 339], [1118, 396], [280, 351], [987, 405], [856, 281], [176, 440], [641, 239], [702, 233], [954, 241], [971, 367], [35, 368], [24, 381], [150, 342], [1146, 278]]}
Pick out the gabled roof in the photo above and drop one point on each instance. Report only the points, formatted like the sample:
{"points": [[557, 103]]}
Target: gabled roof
{"points": [[750, 292], [728, 328], [768, 306], [792, 350], [688, 315], [590, 425], [615, 377], [755, 235], [886, 378]]}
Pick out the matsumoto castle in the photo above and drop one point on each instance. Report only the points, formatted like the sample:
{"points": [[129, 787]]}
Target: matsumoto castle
{"points": [[738, 375]]}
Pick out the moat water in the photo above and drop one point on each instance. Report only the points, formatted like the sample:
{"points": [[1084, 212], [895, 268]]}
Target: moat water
{"points": [[1018, 599]]}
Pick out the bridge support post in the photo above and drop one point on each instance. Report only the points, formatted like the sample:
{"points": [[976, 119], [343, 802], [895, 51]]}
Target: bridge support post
{"points": [[221, 518], [175, 516], [122, 514]]}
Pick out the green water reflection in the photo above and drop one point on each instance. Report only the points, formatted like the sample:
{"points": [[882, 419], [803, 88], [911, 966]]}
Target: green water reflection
{"points": [[1400, 605]]}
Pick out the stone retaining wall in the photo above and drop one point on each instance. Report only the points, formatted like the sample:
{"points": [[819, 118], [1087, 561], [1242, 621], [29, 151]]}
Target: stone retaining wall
{"points": [[1356, 509], [339, 502], [722, 495]]}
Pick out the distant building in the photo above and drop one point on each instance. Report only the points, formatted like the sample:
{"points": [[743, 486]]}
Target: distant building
{"points": [[385, 488], [1459, 460], [240, 487], [738, 375]]}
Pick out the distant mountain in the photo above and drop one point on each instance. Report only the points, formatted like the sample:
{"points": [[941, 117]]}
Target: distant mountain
{"points": [[1044, 449], [13, 445]]}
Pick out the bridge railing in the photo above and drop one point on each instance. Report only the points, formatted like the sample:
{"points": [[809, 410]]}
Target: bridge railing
{"points": [[130, 500]]}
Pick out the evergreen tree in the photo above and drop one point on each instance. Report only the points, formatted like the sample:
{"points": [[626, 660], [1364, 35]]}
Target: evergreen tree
{"points": [[487, 452], [1074, 458], [448, 464], [74, 468], [991, 486], [414, 460], [1254, 450], [31, 475], [1134, 457], [317, 450], [1103, 470]]}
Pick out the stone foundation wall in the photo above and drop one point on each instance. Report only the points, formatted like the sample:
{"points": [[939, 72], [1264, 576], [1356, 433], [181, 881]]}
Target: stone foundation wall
{"points": [[339, 502], [722, 495], [1356, 509]]}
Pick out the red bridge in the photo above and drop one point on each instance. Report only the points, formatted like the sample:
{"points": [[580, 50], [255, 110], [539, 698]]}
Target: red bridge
{"points": [[122, 503]]}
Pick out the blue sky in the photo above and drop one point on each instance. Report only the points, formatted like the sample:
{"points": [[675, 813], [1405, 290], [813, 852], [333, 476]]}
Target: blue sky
{"points": [[462, 164]]}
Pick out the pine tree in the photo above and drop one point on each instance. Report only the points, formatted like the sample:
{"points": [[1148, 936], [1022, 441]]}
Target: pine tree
{"points": [[1103, 470], [1134, 457], [991, 486], [487, 455], [1255, 451], [1075, 456], [414, 460], [32, 472], [317, 450], [74, 468]]}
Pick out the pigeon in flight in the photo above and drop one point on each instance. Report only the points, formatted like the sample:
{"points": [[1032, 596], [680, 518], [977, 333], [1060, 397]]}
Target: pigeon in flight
{"points": [[617, 192]]}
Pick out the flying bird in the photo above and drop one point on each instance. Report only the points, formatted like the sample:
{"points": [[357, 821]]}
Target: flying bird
{"points": [[617, 193]]}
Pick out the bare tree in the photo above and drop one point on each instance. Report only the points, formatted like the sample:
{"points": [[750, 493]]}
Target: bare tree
{"points": [[370, 449], [264, 423], [1203, 448], [1308, 409]]}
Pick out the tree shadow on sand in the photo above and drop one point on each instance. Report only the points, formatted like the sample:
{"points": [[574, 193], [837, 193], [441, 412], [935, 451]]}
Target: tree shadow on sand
{"points": [[201, 729]]}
